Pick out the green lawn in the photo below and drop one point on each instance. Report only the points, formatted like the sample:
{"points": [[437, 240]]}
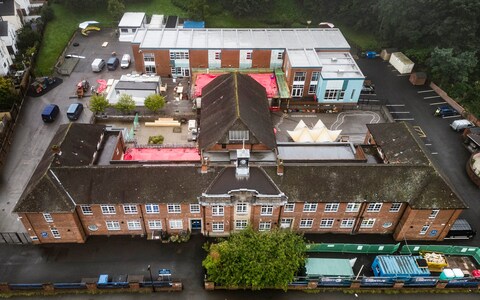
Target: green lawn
{"points": [[60, 30]]}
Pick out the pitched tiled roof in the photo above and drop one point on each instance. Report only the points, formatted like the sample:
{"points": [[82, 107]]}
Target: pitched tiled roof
{"points": [[232, 98], [420, 186], [399, 142], [258, 180]]}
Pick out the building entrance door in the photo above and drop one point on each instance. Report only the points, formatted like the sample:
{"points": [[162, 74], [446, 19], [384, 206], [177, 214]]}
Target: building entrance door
{"points": [[196, 225]]}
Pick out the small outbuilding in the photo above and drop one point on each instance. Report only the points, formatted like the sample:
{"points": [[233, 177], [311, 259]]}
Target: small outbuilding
{"points": [[402, 63], [129, 24], [400, 266], [329, 267], [386, 53], [418, 78]]}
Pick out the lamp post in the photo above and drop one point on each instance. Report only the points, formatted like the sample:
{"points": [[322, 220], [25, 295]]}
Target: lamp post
{"points": [[151, 278], [308, 23]]}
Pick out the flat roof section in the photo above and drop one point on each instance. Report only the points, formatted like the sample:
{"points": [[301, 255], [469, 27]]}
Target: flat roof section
{"points": [[184, 38], [267, 80], [132, 19], [315, 152], [339, 65], [162, 154], [303, 58]]}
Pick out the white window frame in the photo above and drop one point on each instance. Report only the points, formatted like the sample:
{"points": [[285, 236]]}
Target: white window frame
{"points": [[280, 55], [218, 210], [331, 207], [130, 209], [368, 223], [333, 94], [243, 210], [134, 225], [113, 225], [327, 223], [48, 217], [108, 209], [305, 223], [179, 54], [374, 207], [175, 224], [310, 207], [148, 57], [347, 223], [395, 207], [299, 76], [218, 227], [194, 208], [218, 55], [86, 210], [174, 208], [434, 213], [55, 233], [266, 210], [352, 207], [152, 208], [249, 55], [241, 224], [264, 226], [154, 224], [424, 229], [288, 221], [289, 207]]}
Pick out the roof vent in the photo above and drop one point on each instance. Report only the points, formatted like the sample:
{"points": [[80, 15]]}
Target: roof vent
{"points": [[334, 59]]}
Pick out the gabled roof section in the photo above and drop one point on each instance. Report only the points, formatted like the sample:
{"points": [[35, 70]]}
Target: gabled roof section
{"points": [[3, 28], [76, 145], [400, 143], [7, 8], [46, 196], [233, 97], [420, 186], [258, 180]]}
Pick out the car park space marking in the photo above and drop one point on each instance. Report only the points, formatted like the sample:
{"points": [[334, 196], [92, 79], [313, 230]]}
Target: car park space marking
{"points": [[431, 97], [428, 144], [366, 94], [434, 153], [393, 105], [402, 75], [419, 131], [425, 91], [399, 112], [449, 117], [438, 103], [404, 119]]}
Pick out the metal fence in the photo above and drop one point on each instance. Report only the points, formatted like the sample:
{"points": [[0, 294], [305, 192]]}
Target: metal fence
{"points": [[14, 238], [474, 252], [354, 248]]}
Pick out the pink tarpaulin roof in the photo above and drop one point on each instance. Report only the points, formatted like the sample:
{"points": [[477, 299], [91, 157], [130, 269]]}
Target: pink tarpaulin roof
{"points": [[102, 85], [162, 154], [267, 80]]}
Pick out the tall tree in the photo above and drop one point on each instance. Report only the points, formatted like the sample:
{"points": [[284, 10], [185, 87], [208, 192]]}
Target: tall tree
{"points": [[98, 103], [448, 68], [7, 94], [256, 260], [116, 8], [198, 10]]}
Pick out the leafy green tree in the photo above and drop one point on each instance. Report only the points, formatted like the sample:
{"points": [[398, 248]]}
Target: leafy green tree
{"points": [[116, 8], [27, 37], [448, 68], [256, 260], [98, 103], [125, 103], [198, 10], [154, 102], [242, 8], [7, 94], [47, 13]]}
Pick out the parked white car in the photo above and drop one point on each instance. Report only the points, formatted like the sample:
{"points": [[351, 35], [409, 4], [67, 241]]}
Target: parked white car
{"points": [[125, 62], [459, 125]]}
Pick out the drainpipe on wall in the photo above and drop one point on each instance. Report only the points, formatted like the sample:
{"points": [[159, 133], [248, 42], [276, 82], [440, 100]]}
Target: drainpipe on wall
{"points": [[359, 218]]}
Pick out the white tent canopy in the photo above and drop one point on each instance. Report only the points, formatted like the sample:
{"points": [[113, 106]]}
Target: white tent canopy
{"points": [[85, 24], [318, 134]]}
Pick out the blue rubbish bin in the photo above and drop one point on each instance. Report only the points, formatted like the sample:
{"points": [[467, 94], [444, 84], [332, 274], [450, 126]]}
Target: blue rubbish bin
{"points": [[371, 54]]}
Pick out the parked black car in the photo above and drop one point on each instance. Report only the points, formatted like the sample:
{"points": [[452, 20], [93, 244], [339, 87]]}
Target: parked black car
{"points": [[445, 111]]}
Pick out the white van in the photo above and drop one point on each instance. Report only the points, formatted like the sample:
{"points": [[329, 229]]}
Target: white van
{"points": [[125, 62], [459, 125], [98, 64]]}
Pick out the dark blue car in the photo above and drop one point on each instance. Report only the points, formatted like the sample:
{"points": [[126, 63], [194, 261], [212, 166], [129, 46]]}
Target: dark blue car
{"points": [[445, 111]]}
